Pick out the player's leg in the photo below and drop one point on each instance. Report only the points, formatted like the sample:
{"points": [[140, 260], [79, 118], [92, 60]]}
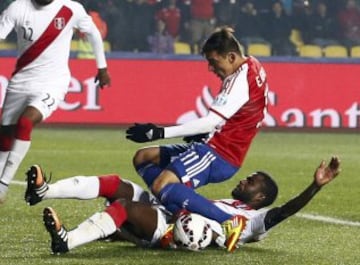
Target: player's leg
{"points": [[192, 169], [177, 196], [12, 126], [197, 167], [146, 162], [150, 161], [22, 140], [100, 225], [77, 187], [111, 187], [36, 108], [6, 140]]}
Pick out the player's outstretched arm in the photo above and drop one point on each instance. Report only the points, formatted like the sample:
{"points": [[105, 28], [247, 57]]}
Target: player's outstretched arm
{"points": [[322, 176], [149, 132]]}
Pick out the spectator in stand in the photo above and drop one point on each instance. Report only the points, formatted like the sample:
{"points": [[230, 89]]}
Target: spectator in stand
{"points": [[202, 21], [333, 7], [349, 20], [112, 11], [248, 24], [94, 9], [278, 30], [140, 23], [171, 16], [225, 13], [85, 50], [323, 29], [302, 13], [161, 41]]}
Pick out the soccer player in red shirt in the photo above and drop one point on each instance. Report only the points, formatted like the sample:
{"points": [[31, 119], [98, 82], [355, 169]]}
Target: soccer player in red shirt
{"points": [[171, 15], [174, 171]]}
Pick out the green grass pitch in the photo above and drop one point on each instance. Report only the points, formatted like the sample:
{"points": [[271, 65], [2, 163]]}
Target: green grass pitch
{"points": [[290, 157]]}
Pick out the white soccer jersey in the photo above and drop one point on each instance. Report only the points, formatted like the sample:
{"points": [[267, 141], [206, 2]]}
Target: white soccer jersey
{"points": [[255, 226], [44, 35]]}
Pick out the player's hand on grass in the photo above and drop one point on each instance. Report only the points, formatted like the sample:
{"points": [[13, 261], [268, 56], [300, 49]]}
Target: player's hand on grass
{"points": [[146, 132], [326, 173], [102, 78]]}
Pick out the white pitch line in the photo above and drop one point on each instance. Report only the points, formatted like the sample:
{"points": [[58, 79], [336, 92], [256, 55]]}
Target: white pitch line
{"points": [[320, 218], [21, 183], [327, 219]]}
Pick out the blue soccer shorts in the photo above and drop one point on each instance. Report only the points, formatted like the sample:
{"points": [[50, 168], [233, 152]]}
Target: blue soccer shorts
{"points": [[196, 164]]}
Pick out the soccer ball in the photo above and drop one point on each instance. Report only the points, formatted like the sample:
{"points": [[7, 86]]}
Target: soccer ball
{"points": [[192, 232]]}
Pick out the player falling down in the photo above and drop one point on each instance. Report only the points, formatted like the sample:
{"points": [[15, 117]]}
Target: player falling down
{"points": [[173, 172], [149, 221], [41, 77]]}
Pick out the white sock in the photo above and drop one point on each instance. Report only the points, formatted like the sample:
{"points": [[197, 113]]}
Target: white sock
{"points": [[3, 158], [100, 225], [78, 187], [16, 155], [3, 191]]}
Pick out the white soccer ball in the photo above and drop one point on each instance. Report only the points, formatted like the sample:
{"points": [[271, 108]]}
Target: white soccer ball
{"points": [[192, 232]]}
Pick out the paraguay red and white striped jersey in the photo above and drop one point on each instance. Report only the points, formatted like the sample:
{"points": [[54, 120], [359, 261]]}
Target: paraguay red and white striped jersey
{"points": [[242, 102]]}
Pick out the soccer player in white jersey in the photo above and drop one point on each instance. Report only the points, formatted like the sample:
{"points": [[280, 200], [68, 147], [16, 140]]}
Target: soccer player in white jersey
{"points": [[129, 203], [41, 77], [174, 171]]}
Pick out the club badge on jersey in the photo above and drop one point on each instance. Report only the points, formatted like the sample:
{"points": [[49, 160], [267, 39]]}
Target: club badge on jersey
{"points": [[59, 23]]}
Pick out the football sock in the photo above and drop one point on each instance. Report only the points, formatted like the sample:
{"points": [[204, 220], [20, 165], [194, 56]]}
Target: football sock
{"points": [[3, 186], [100, 225], [187, 198], [3, 158], [149, 172], [109, 184], [117, 212], [78, 187], [16, 155], [19, 147]]}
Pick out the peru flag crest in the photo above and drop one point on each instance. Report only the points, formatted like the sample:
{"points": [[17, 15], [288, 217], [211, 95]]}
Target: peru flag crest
{"points": [[59, 23]]}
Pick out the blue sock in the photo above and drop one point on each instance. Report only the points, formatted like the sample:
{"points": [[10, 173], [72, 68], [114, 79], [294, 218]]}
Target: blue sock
{"points": [[149, 172], [186, 198]]}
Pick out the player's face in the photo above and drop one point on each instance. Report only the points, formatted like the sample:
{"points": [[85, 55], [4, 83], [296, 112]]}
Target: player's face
{"points": [[248, 188], [43, 2], [220, 65]]}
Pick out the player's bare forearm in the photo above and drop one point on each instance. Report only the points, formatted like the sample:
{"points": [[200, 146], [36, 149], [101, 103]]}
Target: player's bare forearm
{"points": [[323, 175]]}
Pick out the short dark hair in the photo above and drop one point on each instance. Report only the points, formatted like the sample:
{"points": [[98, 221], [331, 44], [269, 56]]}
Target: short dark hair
{"points": [[270, 189], [222, 40]]}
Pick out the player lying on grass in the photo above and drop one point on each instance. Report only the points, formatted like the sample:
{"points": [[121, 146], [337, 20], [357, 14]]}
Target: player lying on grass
{"points": [[138, 210]]}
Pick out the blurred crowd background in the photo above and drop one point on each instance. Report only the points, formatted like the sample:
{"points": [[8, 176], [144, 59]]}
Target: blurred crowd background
{"points": [[156, 25]]}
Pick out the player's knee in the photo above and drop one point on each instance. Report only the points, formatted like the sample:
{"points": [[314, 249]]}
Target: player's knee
{"points": [[167, 177], [146, 155], [157, 187]]}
